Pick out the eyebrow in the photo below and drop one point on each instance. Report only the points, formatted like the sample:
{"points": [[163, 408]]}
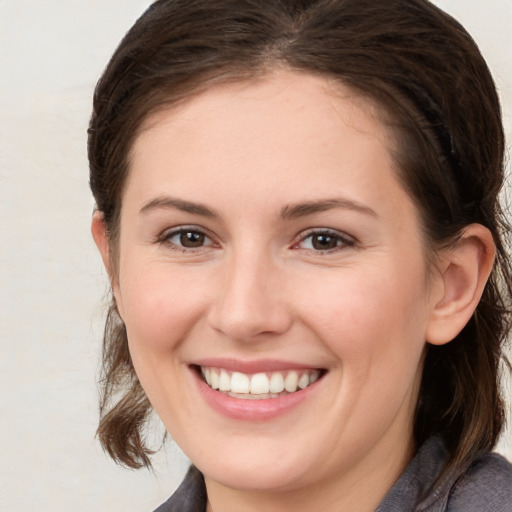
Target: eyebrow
{"points": [[296, 210], [291, 211], [173, 203]]}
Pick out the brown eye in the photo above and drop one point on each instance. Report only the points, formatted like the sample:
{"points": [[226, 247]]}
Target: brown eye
{"points": [[324, 241], [192, 239], [186, 238]]}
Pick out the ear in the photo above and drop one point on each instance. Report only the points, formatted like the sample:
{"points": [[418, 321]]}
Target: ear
{"points": [[99, 234], [463, 273]]}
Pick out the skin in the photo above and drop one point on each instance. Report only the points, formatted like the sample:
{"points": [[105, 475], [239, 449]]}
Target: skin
{"points": [[259, 288]]}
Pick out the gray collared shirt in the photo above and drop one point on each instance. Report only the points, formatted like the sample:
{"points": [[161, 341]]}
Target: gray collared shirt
{"points": [[486, 486]]}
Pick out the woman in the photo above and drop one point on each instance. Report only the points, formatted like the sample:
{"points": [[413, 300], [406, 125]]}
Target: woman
{"points": [[297, 208]]}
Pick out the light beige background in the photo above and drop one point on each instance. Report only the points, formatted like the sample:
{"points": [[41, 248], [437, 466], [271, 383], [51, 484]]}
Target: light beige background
{"points": [[51, 282]]}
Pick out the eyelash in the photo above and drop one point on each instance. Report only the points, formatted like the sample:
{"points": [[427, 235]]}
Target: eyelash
{"points": [[341, 240], [167, 236]]}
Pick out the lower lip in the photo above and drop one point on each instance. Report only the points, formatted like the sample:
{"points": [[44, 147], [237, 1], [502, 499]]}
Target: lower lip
{"points": [[253, 410]]}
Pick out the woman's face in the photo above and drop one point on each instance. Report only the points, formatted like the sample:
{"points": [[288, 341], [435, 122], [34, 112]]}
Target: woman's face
{"points": [[266, 242]]}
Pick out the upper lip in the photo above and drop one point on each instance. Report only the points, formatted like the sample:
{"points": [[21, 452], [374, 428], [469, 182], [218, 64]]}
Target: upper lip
{"points": [[256, 366]]}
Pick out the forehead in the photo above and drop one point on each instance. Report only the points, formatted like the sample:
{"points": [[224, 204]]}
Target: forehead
{"points": [[291, 105], [294, 132], [294, 91]]}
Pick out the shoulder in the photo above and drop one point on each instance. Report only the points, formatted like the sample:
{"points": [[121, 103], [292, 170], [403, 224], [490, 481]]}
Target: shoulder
{"points": [[485, 486], [190, 495]]}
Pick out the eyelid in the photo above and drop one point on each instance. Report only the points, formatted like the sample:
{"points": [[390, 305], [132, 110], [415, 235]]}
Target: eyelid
{"points": [[165, 237], [345, 239]]}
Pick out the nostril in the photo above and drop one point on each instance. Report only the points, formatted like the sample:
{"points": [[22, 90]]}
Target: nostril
{"points": [[250, 325]]}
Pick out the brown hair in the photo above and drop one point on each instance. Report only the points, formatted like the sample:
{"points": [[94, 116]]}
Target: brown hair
{"points": [[428, 76]]}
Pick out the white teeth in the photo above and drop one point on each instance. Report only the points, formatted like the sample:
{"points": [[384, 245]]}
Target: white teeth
{"points": [[276, 383], [291, 381], [303, 381], [214, 376], [258, 385], [224, 381], [239, 383]]}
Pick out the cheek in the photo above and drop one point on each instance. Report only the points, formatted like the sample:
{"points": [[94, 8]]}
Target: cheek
{"points": [[375, 315], [375, 326], [160, 306]]}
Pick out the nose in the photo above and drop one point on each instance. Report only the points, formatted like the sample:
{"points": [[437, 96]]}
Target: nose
{"points": [[251, 302]]}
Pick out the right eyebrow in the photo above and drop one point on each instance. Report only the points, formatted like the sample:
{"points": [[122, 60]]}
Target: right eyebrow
{"points": [[172, 203]]}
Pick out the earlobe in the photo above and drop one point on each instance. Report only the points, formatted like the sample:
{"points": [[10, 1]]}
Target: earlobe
{"points": [[463, 273]]}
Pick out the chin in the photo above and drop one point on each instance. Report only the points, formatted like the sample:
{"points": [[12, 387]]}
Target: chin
{"points": [[263, 474]]}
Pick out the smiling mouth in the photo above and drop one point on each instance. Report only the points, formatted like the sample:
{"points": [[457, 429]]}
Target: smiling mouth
{"points": [[258, 386]]}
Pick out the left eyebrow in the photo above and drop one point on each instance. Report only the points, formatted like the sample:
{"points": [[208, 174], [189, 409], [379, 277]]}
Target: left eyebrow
{"points": [[296, 210]]}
